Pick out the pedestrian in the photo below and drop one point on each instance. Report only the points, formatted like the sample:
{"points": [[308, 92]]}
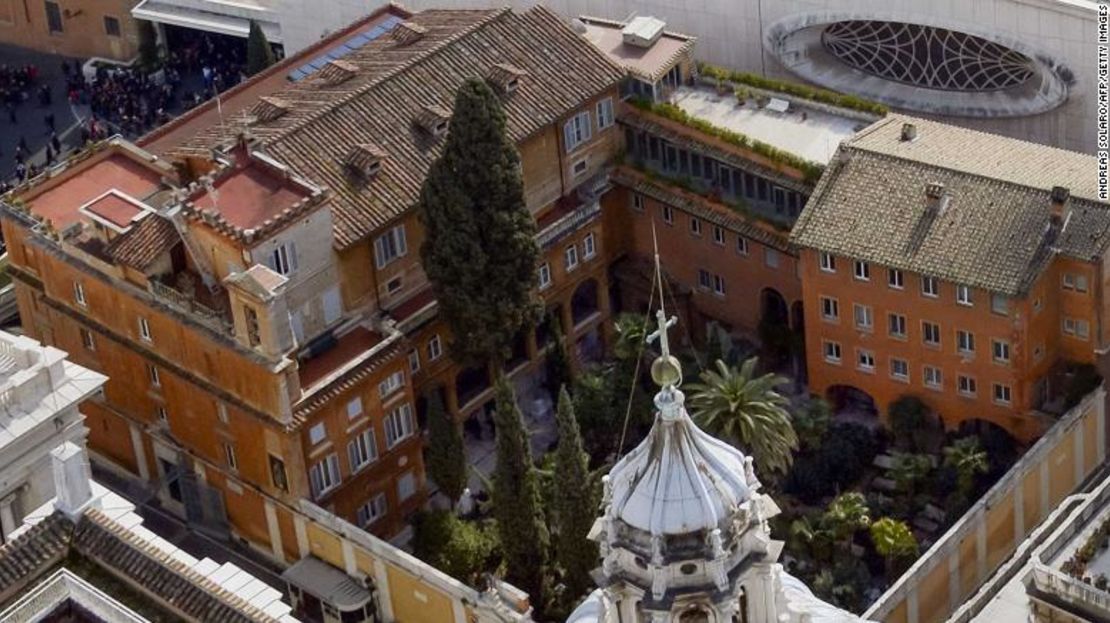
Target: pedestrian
{"points": [[55, 142], [23, 144], [49, 120], [49, 155]]}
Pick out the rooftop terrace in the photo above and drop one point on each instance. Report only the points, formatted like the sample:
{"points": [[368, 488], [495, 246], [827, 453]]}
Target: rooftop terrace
{"points": [[809, 133], [60, 202], [250, 192], [650, 62]]}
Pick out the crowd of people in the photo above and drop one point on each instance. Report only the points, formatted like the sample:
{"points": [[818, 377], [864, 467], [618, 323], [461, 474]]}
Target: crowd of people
{"points": [[118, 100]]}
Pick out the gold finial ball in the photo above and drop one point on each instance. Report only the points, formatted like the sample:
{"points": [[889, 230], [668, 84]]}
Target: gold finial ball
{"points": [[666, 371]]}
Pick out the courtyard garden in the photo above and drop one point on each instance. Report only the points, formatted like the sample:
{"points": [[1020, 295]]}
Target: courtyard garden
{"points": [[859, 501]]}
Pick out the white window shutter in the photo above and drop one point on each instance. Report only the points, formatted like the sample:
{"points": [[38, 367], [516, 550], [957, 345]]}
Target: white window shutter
{"points": [[586, 129], [568, 135], [292, 256], [333, 307], [297, 324], [402, 244], [379, 251]]}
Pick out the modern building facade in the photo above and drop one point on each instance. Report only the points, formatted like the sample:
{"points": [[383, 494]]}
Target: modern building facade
{"points": [[78, 28], [961, 267], [40, 392]]}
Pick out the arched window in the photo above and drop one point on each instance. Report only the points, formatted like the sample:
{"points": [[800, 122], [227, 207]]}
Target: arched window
{"points": [[695, 614]]}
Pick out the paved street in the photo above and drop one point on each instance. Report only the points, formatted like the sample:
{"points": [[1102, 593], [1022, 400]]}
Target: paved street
{"points": [[30, 114]]}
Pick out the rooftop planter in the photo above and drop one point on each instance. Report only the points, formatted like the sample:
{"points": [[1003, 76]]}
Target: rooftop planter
{"points": [[810, 171], [822, 96]]}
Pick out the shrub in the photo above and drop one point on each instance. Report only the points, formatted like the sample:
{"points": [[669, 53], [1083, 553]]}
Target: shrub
{"points": [[1083, 381], [823, 96], [913, 424], [838, 464], [462, 549]]}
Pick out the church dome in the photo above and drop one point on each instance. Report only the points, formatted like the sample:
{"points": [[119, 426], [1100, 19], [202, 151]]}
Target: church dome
{"points": [[679, 480]]}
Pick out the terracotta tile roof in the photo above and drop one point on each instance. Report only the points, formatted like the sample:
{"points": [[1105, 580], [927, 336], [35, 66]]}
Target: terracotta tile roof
{"points": [[313, 372], [99, 539], [271, 80], [181, 587], [703, 208], [994, 229], [979, 153], [34, 551], [144, 242], [396, 82]]}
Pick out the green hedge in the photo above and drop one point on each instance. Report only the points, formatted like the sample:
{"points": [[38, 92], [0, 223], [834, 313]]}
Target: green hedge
{"points": [[823, 96], [811, 170]]}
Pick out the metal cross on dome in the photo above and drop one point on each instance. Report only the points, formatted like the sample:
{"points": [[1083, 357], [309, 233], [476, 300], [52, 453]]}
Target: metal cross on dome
{"points": [[661, 333]]}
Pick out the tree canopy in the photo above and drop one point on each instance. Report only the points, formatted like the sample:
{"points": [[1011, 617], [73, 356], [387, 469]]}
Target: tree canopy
{"points": [[260, 54], [516, 498], [575, 504], [745, 410], [479, 252], [445, 457]]}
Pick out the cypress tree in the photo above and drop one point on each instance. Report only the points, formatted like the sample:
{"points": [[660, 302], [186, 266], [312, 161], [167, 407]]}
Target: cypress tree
{"points": [[558, 362], [446, 455], [259, 53], [576, 503], [479, 251], [516, 499]]}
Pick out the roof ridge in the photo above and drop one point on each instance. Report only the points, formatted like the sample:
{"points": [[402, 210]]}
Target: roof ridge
{"points": [[392, 6], [159, 556], [303, 123], [973, 174]]}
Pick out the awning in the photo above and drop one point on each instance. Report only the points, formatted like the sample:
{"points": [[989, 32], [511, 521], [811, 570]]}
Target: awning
{"points": [[328, 584], [224, 19]]}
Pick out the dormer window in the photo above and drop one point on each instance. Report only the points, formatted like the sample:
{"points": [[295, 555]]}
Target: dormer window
{"points": [[270, 108], [433, 120], [505, 77], [338, 71], [366, 159], [407, 33]]}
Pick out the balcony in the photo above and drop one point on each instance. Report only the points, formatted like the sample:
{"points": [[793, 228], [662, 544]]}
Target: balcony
{"points": [[570, 214], [186, 298]]}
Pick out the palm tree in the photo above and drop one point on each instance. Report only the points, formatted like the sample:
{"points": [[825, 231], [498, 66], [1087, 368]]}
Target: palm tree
{"points": [[968, 459], [909, 470], [846, 514], [747, 411], [893, 540], [811, 422], [631, 333]]}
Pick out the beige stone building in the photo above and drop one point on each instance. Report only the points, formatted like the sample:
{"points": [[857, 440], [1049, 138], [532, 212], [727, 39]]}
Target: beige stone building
{"points": [[80, 28]]}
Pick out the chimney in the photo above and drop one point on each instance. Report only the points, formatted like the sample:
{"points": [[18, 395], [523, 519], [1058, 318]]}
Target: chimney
{"points": [[1060, 197], [909, 132], [935, 198], [72, 478]]}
